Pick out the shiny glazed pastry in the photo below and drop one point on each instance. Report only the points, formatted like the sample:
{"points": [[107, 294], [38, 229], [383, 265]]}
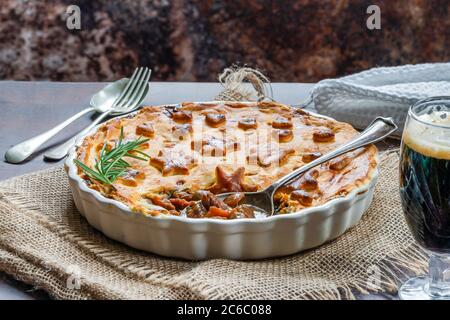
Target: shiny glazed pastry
{"points": [[198, 150]]}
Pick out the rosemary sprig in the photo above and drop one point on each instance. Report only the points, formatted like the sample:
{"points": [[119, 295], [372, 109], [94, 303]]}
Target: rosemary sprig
{"points": [[110, 165]]}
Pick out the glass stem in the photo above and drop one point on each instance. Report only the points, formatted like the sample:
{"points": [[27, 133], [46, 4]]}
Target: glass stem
{"points": [[439, 272]]}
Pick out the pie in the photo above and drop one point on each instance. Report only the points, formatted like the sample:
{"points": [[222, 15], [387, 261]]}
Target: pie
{"points": [[198, 150]]}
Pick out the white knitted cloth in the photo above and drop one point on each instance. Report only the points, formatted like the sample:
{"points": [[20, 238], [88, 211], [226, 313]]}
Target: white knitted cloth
{"points": [[387, 91]]}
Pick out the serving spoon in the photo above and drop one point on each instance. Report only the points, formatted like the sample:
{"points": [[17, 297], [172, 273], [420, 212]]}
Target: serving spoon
{"points": [[262, 200]]}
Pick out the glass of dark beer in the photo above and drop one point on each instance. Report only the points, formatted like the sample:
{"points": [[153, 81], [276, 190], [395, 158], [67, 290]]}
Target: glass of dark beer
{"points": [[425, 193]]}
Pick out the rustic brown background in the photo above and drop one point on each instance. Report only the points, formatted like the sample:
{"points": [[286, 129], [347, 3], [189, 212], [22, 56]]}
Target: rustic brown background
{"points": [[193, 40]]}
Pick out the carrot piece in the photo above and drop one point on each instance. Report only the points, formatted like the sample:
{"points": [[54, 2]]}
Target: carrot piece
{"points": [[215, 211], [162, 202], [180, 203]]}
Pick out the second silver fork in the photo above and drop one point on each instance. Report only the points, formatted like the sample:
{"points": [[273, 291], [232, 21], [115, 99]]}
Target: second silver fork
{"points": [[134, 92]]}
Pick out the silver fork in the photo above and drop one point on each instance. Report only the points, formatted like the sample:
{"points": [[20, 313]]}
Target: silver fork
{"points": [[130, 98], [379, 129]]}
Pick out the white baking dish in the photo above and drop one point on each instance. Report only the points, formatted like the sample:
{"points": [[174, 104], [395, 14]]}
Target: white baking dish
{"points": [[205, 238]]}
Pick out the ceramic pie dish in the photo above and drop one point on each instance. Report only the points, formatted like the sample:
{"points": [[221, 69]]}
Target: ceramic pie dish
{"points": [[153, 206]]}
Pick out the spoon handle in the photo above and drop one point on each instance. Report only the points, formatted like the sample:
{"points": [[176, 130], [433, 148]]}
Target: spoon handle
{"points": [[60, 151], [379, 129], [23, 150]]}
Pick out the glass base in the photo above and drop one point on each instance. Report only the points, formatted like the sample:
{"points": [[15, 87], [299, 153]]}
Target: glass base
{"points": [[418, 289]]}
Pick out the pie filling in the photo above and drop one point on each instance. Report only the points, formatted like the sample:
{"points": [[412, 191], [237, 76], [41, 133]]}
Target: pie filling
{"points": [[198, 150]]}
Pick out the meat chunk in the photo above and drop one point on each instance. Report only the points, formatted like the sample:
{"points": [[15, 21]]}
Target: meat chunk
{"points": [[242, 212], [208, 200], [196, 210], [234, 199], [182, 195], [206, 204]]}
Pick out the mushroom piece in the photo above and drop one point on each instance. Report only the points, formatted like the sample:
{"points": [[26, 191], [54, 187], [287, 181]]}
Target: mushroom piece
{"points": [[278, 157], [182, 130], [282, 123], [323, 135], [182, 116], [310, 156], [302, 197], [215, 147], [309, 180], [247, 123], [131, 177], [339, 163], [145, 129], [215, 119], [284, 135]]}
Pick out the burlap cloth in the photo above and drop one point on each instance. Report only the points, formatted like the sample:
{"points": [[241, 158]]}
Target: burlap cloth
{"points": [[45, 242]]}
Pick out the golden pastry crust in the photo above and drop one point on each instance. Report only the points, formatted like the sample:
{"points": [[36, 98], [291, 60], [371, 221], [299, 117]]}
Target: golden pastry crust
{"points": [[220, 147]]}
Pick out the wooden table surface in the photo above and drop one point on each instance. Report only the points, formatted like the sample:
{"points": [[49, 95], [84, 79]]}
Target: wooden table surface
{"points": [[29, 108]]}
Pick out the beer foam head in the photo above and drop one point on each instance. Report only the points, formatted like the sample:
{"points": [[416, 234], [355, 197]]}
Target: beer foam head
{"points": [[429, 134]]}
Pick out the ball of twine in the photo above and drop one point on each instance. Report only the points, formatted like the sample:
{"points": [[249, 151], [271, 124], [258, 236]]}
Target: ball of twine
{"points": [[235, 82]]}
